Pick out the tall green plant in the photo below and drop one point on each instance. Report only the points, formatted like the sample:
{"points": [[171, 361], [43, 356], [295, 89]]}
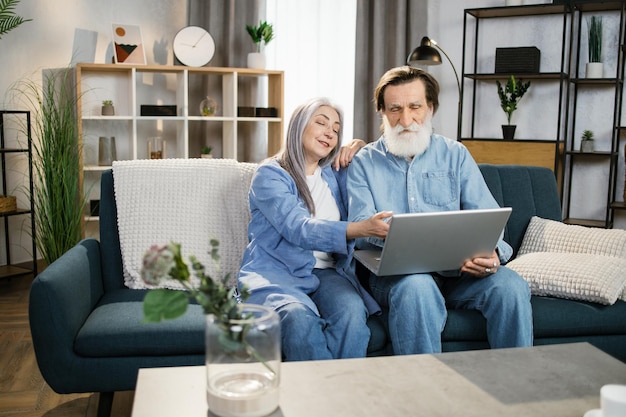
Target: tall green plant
{"points": [[594, 27], [8, 19], [59, 202]]}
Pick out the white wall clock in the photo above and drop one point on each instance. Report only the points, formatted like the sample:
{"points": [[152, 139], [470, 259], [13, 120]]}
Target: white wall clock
{"points": [[193, 46]]}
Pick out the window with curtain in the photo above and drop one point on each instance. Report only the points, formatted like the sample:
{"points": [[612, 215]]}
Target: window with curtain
{"points": [[315, 46]]}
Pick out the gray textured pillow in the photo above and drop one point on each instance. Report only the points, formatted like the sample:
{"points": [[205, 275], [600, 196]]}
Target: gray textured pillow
{"points": [[575, 262]]}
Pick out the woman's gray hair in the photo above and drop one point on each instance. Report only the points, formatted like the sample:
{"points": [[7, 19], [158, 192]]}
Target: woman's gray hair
{"points": [[291, 157]]}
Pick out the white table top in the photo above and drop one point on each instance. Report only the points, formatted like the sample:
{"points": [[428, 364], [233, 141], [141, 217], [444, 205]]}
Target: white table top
{"points": [[556, 380]]}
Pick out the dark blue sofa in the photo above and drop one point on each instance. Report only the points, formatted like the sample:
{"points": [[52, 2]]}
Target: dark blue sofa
{"points": [[88, 333]]}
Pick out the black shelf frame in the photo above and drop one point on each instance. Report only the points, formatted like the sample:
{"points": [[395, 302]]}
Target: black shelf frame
{"points": [[12, 270]]}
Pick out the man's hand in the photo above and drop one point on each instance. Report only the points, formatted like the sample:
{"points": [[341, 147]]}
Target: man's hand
{"points": [[346, 153], [482, 267]]}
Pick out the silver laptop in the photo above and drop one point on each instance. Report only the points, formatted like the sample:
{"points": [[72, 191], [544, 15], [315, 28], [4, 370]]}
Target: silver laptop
{"points": [[437, 241]]}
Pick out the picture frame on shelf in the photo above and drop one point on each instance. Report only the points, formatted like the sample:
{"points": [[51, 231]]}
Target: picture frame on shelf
{"points": [[128, 44]]}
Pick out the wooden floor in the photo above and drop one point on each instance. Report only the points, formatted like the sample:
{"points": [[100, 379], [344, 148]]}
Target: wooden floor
{"points": [[23, 392]]}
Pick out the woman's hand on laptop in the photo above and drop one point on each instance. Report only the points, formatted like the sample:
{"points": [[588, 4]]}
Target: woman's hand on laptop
{"points": [[482, 267], [375, 226]]}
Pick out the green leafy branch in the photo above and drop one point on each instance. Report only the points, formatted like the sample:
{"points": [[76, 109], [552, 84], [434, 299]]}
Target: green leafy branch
{"points": [[261, 34], [511, 94], [8, 19], [215, 297]]}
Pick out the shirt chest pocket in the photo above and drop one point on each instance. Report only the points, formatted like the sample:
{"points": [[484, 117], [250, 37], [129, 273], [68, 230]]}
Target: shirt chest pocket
{"points": [[440, 188]]}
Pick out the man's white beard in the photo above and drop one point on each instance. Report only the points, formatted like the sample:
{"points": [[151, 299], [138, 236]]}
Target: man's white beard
{"points": [[407, 142]]}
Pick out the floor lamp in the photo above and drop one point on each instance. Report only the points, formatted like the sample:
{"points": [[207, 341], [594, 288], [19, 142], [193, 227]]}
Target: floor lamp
{"points": [[425, 54]]}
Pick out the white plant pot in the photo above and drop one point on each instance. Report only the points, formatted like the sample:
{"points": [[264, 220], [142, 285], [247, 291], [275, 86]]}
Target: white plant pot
{"points": [[256, 60], [594, 70], [513, 2]]}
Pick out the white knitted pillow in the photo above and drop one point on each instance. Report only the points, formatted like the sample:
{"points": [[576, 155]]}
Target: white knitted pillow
{"points": [[574, 262], [596, 278], [544, 235]]}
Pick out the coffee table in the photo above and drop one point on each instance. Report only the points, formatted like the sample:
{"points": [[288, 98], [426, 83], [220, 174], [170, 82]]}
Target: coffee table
{"points": [[554, 380]]}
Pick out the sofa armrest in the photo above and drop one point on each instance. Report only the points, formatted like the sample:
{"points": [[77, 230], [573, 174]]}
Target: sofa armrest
{"points": [[61, 298]]}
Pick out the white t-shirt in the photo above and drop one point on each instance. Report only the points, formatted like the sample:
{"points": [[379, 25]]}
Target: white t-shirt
{"points": [[325, 209]]}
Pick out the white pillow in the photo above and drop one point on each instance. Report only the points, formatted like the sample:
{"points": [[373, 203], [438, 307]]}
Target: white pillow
{"points": [[544, 235], [575, 262], [596, 278]]}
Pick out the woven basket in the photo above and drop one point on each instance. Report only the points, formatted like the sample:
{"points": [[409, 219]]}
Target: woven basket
{"points": [[7, 204]]}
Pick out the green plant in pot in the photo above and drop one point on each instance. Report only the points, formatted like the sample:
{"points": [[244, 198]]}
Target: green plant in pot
{"points": [[107, 108], [510, 95], [205, 152], [261, 35], [586, 141], [59, 199], [594, 68]]}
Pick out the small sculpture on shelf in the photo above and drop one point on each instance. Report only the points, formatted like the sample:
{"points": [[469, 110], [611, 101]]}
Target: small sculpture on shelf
{"points": [[208, 107], [586, 142], [107, 108], [510, 95]]}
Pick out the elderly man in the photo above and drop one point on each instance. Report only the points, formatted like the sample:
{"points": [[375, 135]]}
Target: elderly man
{"points": [[410, 169]]}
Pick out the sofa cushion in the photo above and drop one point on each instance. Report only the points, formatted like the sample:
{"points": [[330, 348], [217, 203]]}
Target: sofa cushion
{"points": [[570, 261], [576, 276], [544, 235]]}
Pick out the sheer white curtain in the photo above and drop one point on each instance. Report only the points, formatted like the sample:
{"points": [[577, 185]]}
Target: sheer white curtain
{"points": [[315, 46]]}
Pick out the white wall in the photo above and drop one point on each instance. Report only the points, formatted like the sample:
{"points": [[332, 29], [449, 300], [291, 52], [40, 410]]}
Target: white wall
{"points": [[48, 42]]}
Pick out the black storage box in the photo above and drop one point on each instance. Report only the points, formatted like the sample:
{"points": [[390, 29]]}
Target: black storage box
{"points": [[94, 207], [522, 60], [245, 111], [149, 110], [266, 112]]}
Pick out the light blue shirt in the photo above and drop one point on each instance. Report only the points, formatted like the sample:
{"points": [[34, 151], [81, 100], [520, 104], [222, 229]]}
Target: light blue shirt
{"points": [[278, 263], [445, 177]]}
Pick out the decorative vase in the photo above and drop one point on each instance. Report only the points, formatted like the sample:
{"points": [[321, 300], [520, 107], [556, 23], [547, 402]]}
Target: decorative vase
{"points": [[108, 110], [243, 363], [208, 107], [594, 70], [106, 150], [256, 60], [156, 148], [586, 146], [508, 131]]}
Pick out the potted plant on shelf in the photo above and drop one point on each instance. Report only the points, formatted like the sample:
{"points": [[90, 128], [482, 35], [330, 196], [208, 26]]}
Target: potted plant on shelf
{"points": [[243, 349], [206, 152], [261, 35], [107, 108], [586, 142], [510, 95], [594, 68]]}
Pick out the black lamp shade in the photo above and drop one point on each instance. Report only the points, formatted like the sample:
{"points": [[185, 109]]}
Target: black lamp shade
{"points": [[425, 54]]}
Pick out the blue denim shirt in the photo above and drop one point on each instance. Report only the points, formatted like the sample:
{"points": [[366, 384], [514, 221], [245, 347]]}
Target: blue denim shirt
{"points": [[445, 177], [278, 263]]}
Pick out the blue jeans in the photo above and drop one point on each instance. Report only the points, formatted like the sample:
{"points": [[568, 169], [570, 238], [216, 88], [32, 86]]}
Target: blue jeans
{"points": [[340, 332], [417, 308]]}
